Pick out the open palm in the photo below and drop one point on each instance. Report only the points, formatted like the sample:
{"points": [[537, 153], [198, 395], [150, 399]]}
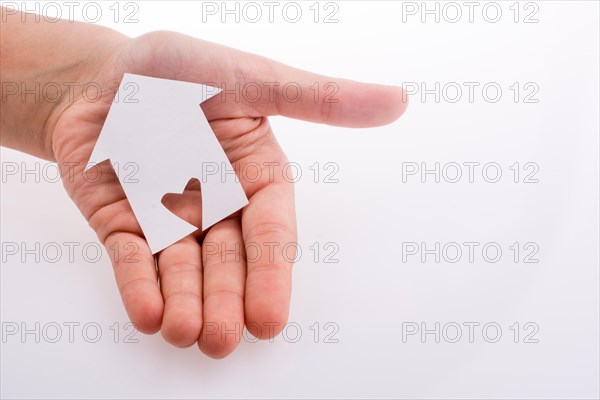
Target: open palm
{"points": [[206, 288]]}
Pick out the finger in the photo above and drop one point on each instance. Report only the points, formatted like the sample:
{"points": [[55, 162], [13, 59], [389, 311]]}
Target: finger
{"points": [[257, 86], [265, 87], [269, 233], [317, 98], [135, 272], [224, 262], [180, 272]]}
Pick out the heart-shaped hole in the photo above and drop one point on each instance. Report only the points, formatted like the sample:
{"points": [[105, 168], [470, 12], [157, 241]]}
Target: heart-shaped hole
{"points": [[186, 205]]}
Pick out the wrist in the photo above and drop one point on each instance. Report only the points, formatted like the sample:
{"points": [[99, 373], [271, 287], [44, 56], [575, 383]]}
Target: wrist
{"points": [[46, 68]]}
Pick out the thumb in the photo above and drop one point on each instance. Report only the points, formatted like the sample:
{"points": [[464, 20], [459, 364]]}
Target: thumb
{"points": [[311, 97], [271, 88]]}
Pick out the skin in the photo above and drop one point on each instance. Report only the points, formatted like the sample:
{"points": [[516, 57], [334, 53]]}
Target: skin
{"points": [[203, 291]]}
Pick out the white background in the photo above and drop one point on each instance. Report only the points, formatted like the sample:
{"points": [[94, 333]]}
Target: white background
{"points": [[370, 295]]}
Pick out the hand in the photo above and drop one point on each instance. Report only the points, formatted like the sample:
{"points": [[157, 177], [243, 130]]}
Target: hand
{"points": [[203, 293]]}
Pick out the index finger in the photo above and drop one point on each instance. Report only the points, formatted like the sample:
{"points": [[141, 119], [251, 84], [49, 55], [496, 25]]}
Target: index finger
{"points": [[269, 226]]}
